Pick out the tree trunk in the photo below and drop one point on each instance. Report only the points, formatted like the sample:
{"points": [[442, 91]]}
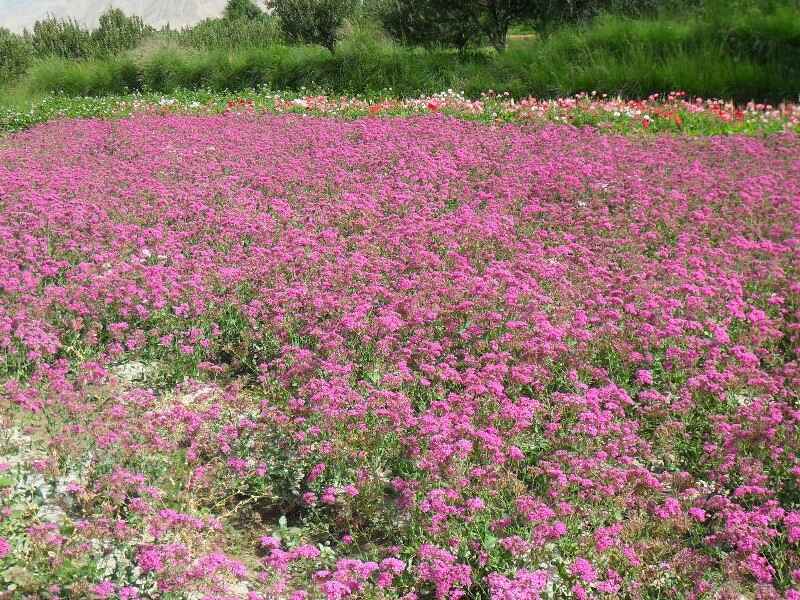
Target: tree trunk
{"points": [[499, 36], [499, 22]]}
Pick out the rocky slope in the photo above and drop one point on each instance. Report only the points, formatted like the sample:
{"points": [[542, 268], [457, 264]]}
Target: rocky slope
{"points": [[19, 14]]}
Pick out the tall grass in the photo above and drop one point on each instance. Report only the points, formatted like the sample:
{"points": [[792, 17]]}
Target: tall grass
{"points": [[77, 78], [229, 34], [744, 55]]}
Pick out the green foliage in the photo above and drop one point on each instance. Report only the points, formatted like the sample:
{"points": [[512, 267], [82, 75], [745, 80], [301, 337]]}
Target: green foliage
{"points": [[16, 55], [242, 9], [313, 21], [117, 32], [64, 38], [470, 22], [752, 54], [74, 78]]}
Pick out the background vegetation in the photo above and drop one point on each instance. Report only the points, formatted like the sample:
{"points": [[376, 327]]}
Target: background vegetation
{"points": [[739, 50]]}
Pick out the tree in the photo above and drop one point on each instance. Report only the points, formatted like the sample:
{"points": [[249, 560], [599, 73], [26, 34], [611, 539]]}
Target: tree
{"points": [[431, 23], [16, 55], [65, 38], [312, 21], [459, 23], [242, 9], [116, 32]]}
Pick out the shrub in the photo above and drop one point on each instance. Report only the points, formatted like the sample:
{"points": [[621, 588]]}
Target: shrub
{"points": [[16, 55], [116, 32], [64, 38], [313, 21]]}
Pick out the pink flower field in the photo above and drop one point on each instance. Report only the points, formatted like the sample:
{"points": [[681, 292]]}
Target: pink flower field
{"points": [[293, 357]]}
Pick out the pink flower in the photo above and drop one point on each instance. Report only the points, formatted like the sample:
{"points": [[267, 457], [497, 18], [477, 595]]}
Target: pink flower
{"points": [[104, 590], [698, 514], [5, 548], [270, 542], [760, 568], [584, 569], [128, 593], [515, 453], [580, 592], [525, 585], [671, 508], [475, 504], [150, 560], [315, 472], [644, 377]]}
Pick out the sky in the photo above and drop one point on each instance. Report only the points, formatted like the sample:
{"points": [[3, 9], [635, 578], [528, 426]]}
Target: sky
{"points": [[18, 14]]}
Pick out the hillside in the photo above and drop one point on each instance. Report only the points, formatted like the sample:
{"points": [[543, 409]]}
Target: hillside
{"points": [[19, 14]]}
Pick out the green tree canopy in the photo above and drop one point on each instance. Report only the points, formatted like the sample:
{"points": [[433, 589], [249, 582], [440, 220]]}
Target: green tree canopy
{"points": [[312, 21], [242, 9]]}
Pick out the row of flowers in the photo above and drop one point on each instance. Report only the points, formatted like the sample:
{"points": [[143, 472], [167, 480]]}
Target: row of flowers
{"points": [[673, 112]]}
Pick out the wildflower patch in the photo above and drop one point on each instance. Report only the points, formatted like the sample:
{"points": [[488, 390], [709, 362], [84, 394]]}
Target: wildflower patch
{"points": [[283, 356]]}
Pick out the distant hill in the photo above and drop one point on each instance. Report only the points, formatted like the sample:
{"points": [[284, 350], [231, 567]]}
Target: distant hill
{"points": [[18, 14]]}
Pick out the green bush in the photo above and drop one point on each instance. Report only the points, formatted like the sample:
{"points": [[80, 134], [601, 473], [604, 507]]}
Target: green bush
{"points": [[64, 38], [16, 55], [313, 21]]}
